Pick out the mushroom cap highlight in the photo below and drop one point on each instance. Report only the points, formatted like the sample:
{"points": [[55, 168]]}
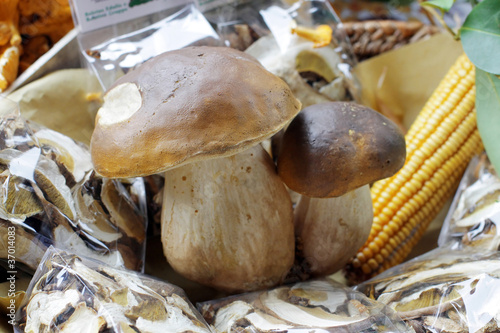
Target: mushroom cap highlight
{"points": [[187, 105], [332, 148]]}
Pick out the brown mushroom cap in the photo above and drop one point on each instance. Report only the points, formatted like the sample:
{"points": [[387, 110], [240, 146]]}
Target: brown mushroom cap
{"points": [[332, 148], [187, 105]]}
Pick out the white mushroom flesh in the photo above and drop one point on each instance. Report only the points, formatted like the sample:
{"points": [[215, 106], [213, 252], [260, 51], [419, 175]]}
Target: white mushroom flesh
{"points": [[227, 222], [44, 307], [227, 315], [120, 103], [332, 230], [299, 315]]}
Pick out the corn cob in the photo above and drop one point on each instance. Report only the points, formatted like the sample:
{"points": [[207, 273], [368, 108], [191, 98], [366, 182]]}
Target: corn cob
{"points": [[440, 144]]}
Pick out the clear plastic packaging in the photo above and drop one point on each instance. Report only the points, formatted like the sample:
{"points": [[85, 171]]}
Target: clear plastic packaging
{"points": [[71, 294], [112, 51], [314, 306], [474, 216], [444, 290], [260, 28], [50, 195]]}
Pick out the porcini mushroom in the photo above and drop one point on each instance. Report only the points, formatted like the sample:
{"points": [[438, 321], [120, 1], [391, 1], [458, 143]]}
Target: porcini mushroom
{"points": [[329, 154], [202, 111]]}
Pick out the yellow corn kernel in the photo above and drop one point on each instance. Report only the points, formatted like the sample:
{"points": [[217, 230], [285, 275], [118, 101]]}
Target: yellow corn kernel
{"points": [[440, 144]]}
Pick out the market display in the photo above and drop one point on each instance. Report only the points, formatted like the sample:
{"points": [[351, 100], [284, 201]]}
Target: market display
{"points": [[234, 138]]}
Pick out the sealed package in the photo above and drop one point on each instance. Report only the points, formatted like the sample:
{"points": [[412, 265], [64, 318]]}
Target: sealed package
{"points": [[71, 294], [444, 290], [313, 306], [294, 41], [115, 38], [50, 195], [474, 216]]}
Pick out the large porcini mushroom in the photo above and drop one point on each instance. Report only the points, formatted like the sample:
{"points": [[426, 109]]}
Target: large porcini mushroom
{"points": [[202, 111], [329, 154]]}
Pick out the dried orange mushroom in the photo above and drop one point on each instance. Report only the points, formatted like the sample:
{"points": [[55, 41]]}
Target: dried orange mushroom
{"points": [[41, 23], [321, 35], [10, 41]]}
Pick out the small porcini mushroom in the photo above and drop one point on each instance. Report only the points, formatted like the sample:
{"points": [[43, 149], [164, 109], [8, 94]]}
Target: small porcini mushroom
{"points": [[329, 154], [227, 219]]}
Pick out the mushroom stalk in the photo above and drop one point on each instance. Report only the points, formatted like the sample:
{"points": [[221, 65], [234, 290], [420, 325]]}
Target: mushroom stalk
{"points": [[330, 230], [228, 222]]}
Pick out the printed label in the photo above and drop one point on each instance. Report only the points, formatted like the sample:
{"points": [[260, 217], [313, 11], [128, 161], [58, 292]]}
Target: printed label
{"points": [[96, 14]]}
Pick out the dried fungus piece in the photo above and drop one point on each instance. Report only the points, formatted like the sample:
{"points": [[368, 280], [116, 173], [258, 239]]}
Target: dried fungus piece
{"points": [[123, 213], [10, 40], [28, 247], [313, 74], [71, 154], [19, 201]]}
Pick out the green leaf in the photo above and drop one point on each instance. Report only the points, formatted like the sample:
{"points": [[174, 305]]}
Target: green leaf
{"points": [[444, 5], [488, 114], [480, 35]]}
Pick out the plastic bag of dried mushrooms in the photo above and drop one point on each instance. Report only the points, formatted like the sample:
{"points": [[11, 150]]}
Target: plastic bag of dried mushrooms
{"points": [[314, 306], [474, 216], [292, 40], [456, 287], [50, 195], [445, 290], [72, 294]]}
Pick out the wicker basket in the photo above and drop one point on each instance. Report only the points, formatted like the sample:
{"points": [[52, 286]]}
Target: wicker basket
{"points": [[370, 38]]}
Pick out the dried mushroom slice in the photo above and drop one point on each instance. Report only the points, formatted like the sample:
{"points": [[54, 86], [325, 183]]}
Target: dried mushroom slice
{"points": [[66, 238], [18, 198], [274, 302], [317, 293], [43, 309], [53, 185], [29, 249], [84, 319], [312, 73], [123, 212], [93, 218], [74, 156]]}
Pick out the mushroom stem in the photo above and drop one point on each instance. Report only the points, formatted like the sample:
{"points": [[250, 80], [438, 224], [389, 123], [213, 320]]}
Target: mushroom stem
{"points": [[331, 230], [228, 222]]}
